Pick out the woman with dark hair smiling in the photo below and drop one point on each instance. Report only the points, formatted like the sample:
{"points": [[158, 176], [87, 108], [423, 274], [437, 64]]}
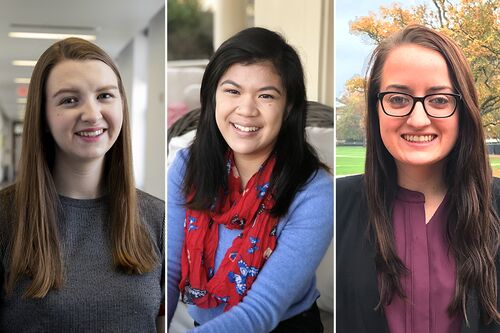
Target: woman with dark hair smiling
{"points": [[81, 248], [249, 203], [418, 233]]}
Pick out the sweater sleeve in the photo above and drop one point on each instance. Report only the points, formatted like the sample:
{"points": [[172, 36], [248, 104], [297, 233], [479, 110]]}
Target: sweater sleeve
{"points": [[290, 269], [175, 233]]}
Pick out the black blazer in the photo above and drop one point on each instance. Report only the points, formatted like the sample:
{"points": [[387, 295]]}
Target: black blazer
{"points": [[357, 292]]}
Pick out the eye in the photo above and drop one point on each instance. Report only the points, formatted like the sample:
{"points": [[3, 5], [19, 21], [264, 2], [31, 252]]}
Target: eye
{"points": [[266, 96], [105, 95], [397, 100], [439, 100], [68, 101], [232, 91]]}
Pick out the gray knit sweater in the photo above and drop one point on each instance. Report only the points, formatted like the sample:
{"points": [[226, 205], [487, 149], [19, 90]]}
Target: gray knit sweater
{"points": [[95, 296]]}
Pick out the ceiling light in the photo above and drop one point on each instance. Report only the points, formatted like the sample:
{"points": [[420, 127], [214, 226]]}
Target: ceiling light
{"points": [[43, 35], [22, 80], [29, 63]]}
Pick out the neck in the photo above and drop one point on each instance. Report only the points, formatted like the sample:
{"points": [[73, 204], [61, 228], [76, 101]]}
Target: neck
{"points": [[77, 179], [247, 167], [428, 180]]}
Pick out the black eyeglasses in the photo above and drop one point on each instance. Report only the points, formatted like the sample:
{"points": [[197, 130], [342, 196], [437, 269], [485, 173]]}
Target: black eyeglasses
{"points": [[398, 104]]}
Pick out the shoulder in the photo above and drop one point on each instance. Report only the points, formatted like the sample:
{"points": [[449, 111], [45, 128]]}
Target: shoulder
{"points": [[152, 212], [7, 204], [496, 194], [351, 205], [150, 204], [177, 170], [7, 198], [349, 188], [349, 183], [180, 159], [320, 178], [315, 196], [496, 187], [320, 185], [350, 192]]}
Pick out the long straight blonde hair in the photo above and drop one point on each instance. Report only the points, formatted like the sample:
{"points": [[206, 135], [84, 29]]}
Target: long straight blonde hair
{"points": [[34, 242]]}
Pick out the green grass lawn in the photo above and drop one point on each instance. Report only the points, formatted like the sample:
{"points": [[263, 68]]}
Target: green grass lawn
{"points": [[495, 164], [351, 160]]}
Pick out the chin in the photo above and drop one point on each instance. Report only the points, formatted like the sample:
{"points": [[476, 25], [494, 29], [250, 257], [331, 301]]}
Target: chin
{"points": [[421, 162], [91, 156]]}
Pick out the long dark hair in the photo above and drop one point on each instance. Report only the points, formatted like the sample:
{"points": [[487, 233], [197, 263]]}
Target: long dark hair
{"points": [[473, 228], [34, 245], [296, 160]]}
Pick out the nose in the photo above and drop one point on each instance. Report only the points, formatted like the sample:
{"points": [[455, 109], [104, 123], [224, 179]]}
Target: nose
{"points": [[91, 112], [247, 107], [418, 118]]}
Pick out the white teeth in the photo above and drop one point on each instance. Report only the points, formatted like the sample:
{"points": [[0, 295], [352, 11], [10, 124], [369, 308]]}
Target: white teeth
{"points": [[246, 129], [91, 134], [419, 138]]}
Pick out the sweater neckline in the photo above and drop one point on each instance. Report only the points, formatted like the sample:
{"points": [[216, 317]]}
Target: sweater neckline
{"points": [[83, 203]]}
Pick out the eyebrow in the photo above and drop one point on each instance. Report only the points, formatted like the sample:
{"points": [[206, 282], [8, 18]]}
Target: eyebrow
{"points": [[75, 90], [430, 90], [260, 89]]}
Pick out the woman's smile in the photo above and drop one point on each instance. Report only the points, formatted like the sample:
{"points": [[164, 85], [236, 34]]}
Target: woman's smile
{"points": [[247, 129]]}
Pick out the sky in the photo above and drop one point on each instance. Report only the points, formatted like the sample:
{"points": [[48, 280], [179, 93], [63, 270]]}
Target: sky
{"points": [[352, 51]]}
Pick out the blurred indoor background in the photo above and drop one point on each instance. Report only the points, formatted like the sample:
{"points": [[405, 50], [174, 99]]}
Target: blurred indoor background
{"points": [[132, 32]]}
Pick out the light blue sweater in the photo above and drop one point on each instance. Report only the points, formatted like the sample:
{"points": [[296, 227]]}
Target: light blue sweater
{"points": [[286, 284]]}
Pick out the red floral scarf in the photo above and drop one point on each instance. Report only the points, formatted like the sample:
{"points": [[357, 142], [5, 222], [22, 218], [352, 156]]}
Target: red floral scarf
{"points": [[247, 211]]}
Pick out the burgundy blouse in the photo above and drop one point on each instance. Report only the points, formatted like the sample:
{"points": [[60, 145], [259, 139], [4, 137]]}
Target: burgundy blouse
{"points": [[430, 284]]}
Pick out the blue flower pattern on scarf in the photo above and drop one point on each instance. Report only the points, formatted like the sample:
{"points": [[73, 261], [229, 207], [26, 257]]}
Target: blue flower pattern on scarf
{"points": [[240, 281], [192, 221], [222, 299], [254, 247], [262, 189]]}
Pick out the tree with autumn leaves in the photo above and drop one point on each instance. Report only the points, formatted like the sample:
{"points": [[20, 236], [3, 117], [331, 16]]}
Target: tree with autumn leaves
{"points": [[350, 112], [474, 25]]}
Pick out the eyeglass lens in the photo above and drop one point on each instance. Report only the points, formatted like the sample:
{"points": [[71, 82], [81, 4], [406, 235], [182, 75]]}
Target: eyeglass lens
{"points": [[437, 105]]}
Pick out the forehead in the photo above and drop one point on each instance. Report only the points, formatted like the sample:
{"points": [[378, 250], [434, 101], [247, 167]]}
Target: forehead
{"points": [[415, 62], [80, 73], [263, 71]]}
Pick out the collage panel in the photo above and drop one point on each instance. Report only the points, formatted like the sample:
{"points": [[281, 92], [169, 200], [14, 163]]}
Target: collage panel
{"points": [[417, 150], [82, 160], [250, 166]]}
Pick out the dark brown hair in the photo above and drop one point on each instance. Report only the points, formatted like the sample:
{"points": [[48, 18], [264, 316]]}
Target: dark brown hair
{"points": [[34, 245], [473, 228]]}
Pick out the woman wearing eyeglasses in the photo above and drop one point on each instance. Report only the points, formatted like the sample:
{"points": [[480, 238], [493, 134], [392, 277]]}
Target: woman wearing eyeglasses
{"points": [[418, 233]]}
